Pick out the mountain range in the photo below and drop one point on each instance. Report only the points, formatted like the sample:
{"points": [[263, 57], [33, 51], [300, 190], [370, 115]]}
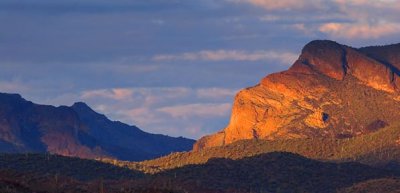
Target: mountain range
{"points": [[330, 123], [77, 131]]}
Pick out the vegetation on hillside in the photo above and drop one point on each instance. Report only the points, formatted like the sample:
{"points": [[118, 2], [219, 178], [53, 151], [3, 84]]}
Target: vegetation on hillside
{"points": [[22, 182], [264, 173], [271, 172], [55, 165], [378, 148], [384, 185]]}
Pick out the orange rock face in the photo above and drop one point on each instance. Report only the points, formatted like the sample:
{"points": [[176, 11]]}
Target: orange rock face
{"points": [[332, 90]]}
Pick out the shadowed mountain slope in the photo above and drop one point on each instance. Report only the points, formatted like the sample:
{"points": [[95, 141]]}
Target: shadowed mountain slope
{"points": [[76, 131]]}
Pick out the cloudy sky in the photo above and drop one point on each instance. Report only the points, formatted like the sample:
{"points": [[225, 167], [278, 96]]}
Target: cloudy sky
{"points": [[170, 66]]}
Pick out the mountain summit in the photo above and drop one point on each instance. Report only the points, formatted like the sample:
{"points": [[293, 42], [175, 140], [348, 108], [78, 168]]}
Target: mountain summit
{"points": [[331, 90]]}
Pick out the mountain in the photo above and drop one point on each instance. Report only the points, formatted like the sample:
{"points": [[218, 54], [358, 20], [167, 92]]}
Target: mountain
{"points": [[129, 142], [76, 131], [331, 90]]}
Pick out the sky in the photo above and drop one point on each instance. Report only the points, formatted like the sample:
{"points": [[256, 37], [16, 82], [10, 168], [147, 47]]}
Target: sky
{"points": [[170, 66]]}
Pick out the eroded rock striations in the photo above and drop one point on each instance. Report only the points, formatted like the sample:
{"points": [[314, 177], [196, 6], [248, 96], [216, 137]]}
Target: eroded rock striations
{"points": [[331, 90]]}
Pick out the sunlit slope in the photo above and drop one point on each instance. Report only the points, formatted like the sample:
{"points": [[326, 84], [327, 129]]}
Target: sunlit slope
{"points": [[376, 148]]}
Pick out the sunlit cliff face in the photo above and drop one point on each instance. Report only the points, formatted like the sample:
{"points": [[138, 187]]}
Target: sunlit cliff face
{"points": [[332, 90]]}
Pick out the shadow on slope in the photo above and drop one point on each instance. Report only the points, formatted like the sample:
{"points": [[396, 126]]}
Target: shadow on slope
{"points": [[270, 172], [53, 165], [383, 185]]}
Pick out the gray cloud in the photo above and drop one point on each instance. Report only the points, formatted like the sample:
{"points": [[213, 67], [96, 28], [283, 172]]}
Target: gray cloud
{"points": [[231, 55], [341, 19]]}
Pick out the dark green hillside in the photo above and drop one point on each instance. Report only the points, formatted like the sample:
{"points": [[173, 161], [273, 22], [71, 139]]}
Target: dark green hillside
{"points": [[52, 165], [22, 182], [384, 185], [271, 172]]}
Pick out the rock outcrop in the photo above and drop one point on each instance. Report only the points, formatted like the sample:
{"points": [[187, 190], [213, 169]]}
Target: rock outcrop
{"points": [[332, 90]]}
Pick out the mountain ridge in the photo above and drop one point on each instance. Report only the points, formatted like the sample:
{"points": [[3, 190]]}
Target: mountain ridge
{"points": [[77, 131]]}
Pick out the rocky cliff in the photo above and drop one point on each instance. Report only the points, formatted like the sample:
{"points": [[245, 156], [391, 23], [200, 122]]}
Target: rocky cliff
{"points": [[331, 90]]}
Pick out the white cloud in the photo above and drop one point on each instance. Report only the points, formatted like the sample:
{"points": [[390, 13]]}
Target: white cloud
{"points": [[141, 116], [144, 96], [115, 94], [215, 92], [341, 19], [197, 109], [367, 19], [376, 4], [158, 21], [153, 95], [231, 55], [320, 4], [282, 4], [270, 18], [360, 30], [303, 28], [132, 68], [193, 112], [13, 87]]}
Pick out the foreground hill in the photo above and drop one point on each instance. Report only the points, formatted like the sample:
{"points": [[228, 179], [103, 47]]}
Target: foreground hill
{"points": [[332, 90], [271, 172], [384, 185], [76, 131], [52, 165], [45, 173]]}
